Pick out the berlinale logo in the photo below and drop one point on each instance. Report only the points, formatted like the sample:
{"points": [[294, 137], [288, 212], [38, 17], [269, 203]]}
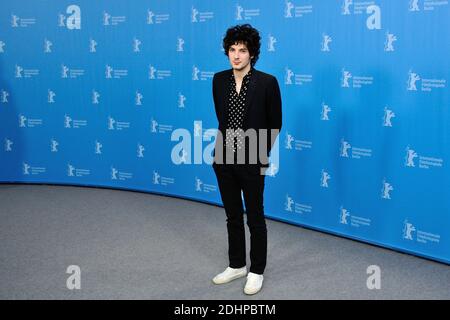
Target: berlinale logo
{"points": [[325, 42], [408, 229]]}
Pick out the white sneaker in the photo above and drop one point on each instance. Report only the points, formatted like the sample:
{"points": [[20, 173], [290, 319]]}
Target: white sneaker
{"points": [[230, 274], [254, 283]]}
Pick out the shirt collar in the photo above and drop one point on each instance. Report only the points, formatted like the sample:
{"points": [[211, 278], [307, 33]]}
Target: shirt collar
{"points": [[247, 75]]}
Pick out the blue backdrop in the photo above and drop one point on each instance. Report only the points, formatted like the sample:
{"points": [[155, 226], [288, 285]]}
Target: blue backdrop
{"points": [[91, 93]]}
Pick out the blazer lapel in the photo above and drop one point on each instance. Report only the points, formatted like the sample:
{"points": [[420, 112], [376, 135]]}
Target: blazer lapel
{"points": [[225, 89], [250, 93]]}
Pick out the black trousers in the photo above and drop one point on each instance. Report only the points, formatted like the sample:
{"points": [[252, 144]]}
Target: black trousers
{"points": [[232, 179]]}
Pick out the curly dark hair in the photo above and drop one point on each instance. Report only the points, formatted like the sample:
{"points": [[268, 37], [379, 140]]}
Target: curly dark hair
{"points": [[245, 34]]}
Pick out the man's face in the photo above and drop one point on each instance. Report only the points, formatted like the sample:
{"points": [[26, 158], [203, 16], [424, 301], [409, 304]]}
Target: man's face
{"points": [[239, 56]]}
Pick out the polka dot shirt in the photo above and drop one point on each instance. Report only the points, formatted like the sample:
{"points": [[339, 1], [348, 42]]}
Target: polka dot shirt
{"points": [[236, 107]]}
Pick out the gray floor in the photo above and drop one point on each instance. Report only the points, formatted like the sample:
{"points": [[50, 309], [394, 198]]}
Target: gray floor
{"points": [[132, 245]]}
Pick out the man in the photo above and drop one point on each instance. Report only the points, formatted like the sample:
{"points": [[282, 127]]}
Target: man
{"points": [[248, 105]]}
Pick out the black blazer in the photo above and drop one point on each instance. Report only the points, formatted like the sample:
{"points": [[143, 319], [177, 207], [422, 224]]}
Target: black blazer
{"points": [[262, 109]]}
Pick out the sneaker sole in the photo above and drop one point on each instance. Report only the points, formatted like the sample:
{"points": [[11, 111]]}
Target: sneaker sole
{"points": [[251, 292], [230, 279]]}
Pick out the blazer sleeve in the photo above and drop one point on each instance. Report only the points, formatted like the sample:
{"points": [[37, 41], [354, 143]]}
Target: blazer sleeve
{"points": [[274, 104], [273, 109]]}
